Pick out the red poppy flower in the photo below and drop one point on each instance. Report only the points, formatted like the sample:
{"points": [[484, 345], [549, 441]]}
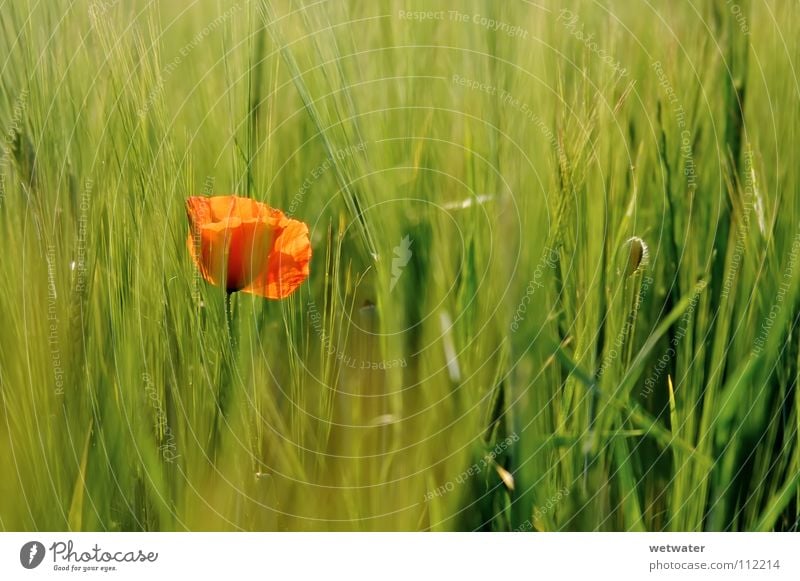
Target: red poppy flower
{"points": [[244, 245]]}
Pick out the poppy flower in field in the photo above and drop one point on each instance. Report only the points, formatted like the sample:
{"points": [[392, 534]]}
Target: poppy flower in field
{"points": [[244, 245]]}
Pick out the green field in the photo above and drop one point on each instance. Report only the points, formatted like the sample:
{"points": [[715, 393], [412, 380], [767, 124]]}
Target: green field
{"points": [[554, 283]]}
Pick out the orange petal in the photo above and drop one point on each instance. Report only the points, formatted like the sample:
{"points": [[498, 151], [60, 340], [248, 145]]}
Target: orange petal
{"points": [[203, 210], [216, 241], [288, 264]]}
